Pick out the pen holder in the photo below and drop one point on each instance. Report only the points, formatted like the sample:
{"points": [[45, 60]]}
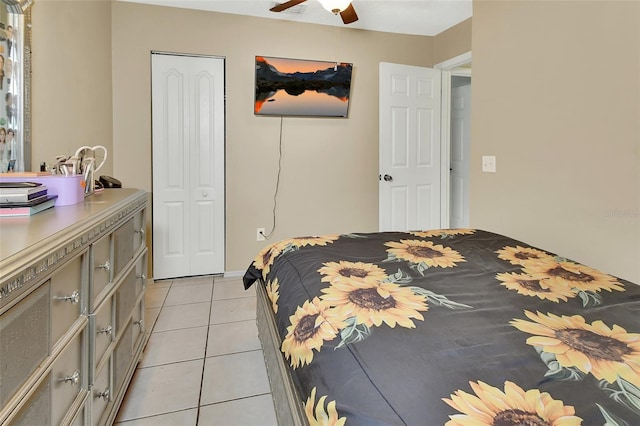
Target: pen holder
{"points": [[69, 189]]}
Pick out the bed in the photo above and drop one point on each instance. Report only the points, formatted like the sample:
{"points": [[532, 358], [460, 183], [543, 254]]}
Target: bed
{"points": [[455, 327]]}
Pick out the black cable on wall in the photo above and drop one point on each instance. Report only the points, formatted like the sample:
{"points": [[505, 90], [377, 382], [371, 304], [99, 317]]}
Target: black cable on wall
{"points": [[275, 194]]}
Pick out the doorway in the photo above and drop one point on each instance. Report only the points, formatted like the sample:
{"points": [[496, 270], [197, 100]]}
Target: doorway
{"points": [[455, 196], [188, 128], [460, 149]]}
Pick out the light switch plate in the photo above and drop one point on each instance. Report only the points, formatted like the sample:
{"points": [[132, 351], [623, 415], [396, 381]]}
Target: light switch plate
{"points": [[489, 163]]}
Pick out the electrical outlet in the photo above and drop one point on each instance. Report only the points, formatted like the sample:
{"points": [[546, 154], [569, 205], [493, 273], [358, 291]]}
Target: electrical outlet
{"points": [[489, 163], [260, 234]]}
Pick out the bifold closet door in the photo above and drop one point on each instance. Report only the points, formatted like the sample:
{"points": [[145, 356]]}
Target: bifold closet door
{"points": [[188, 165]]}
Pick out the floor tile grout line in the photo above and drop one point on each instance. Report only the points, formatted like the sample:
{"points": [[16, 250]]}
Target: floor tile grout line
{"points": [[208, 325], [170, 363], [224, 401], [158, 307], [153, 326], [150, 416], [204, 358], [204, 361], [182, 304], [232, 322], [155, 320], [179, 329], [164, 299]]}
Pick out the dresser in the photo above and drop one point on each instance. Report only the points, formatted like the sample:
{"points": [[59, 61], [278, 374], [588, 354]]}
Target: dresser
{"points": [[72, 283]]}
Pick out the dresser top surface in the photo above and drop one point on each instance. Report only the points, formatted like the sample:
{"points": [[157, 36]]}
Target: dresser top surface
{"points": [[19, 233]]}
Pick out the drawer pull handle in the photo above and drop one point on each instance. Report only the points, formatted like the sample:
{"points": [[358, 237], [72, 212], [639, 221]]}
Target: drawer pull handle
{"points": [[106, 330], [106, 395], [140, 231], [106, 266], [72, 379], [140, 324], [141, 276], [73, 298]]}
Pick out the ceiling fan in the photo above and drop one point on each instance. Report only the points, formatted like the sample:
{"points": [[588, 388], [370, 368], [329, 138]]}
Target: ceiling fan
{"points": [[343, 7]]}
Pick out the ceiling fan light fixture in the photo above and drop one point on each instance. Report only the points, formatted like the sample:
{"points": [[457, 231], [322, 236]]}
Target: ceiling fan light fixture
{"points": [[335, 6]]}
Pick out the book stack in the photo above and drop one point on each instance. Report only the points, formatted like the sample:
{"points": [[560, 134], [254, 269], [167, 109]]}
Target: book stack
{"points": [[24, 198]]}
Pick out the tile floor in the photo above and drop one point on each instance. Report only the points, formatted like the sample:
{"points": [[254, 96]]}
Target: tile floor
{"points": [[203, 364]]}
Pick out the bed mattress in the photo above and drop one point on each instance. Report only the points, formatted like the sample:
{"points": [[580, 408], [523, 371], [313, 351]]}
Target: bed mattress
{"points": [[456, 327]]}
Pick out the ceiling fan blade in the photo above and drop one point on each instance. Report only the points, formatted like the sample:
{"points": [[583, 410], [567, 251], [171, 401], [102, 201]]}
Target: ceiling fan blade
{"points": [[349, 15], [286, 5]]}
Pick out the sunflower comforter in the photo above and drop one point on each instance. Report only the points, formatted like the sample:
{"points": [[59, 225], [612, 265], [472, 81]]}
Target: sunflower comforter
{"points": [[456, 327]]}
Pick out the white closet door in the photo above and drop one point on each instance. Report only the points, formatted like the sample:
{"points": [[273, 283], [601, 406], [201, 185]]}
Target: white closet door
{"points": [[188, 165]]}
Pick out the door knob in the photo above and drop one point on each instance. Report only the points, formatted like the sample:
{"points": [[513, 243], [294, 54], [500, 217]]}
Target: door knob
{"points": [[388, 178]]}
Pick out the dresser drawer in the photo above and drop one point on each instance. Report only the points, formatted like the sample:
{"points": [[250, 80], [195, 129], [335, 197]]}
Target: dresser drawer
{"points": [[139, 226], [37, 410], [103, 330], [24, 340], [68, 379], [125, 299], [141, 275], [138, 328], [81, 416], [101, 267], [123, 246], [122, 356], [67, 296], [101, 394]]}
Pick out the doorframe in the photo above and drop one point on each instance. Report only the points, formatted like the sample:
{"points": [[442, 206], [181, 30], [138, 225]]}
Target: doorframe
{"points": [[448, 70]]}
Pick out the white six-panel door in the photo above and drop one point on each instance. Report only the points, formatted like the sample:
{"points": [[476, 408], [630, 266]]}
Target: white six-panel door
{"points": [[188, 165], [410, 104]]}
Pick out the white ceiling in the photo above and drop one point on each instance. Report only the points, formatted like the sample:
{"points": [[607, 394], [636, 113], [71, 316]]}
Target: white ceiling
{"points": [[419, 17]]}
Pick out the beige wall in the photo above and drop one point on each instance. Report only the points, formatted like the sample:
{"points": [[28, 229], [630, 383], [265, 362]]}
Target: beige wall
{"points": [[91, 84], [71, 79], [329, 179], [556, 98], [452, 42]]}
